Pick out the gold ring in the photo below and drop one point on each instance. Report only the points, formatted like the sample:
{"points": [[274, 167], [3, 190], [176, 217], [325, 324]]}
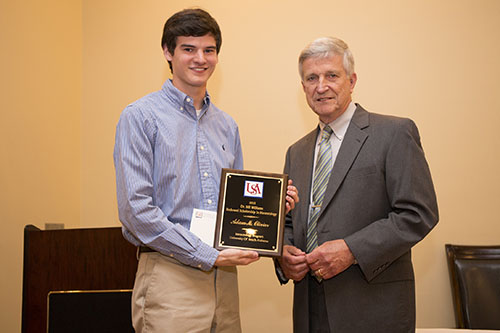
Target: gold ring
{"points": [[319, 272]]}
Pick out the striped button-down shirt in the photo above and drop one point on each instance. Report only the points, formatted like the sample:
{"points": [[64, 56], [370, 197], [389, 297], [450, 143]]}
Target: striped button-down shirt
{"points": [[168, 161]]}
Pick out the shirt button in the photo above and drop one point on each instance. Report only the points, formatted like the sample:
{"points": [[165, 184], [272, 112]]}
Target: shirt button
{"points": [[181, 108], [209, 201], [199, 266], [188, 99], [205, 174], [202, 148]]}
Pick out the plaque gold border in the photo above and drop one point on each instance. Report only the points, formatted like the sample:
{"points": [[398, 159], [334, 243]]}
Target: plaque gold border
{"points": [[281, 211]]}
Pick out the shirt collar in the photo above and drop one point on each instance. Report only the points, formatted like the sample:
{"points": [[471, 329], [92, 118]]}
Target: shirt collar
{"points": [[340, 125], [183, 101]]}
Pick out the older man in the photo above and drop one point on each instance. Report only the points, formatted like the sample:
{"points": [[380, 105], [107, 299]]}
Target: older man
{"points": [[371, 199]]}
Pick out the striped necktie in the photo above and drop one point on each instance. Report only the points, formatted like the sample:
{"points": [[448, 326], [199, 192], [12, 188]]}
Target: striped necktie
{"points": [[321, 175]]}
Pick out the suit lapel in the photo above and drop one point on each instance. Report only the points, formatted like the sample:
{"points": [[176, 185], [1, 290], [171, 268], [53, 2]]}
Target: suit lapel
{"points": [[353, 141]]}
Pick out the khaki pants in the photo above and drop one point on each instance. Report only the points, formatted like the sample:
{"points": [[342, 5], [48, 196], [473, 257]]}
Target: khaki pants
{"points": [[171, 297]]}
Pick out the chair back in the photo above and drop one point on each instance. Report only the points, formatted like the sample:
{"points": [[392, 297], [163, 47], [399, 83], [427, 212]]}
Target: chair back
{"points": [[475, 283]]}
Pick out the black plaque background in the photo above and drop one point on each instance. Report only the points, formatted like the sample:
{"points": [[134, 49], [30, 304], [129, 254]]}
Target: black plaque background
{"points": [[232, 196]]}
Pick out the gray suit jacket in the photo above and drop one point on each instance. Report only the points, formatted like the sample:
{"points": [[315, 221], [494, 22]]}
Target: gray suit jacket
{"points": [[380, 199]]}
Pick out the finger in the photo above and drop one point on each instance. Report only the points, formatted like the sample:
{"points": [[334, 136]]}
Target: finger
{"points": [[296, 270], [247, 261], [292, 191], [292, 196], [248, 258], [314, 267], [298, 267], [297, 275], [241, 257], [250, 254], [296, 260], [290, 201], [312, 257], [314, 264], [302, 273], [292, 250]]}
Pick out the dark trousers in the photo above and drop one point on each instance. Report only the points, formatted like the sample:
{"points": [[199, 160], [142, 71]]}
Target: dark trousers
{"points": [[318, 317]]}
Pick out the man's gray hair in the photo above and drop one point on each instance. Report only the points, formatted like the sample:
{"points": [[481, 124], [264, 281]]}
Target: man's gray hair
{"points": [[326, 47]]}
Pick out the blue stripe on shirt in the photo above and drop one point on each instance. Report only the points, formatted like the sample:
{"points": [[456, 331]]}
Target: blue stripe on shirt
{"points": [[168, 161]]}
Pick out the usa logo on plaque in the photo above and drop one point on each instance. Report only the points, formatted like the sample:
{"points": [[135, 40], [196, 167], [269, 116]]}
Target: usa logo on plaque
{"points": [[253, 189]]}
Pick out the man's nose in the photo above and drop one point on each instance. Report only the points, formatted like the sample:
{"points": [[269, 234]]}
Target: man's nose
{"points": [[322, 86], [200, 57]]}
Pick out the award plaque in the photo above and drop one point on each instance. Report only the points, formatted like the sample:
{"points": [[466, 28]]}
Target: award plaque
{"points": [[251, 212]]}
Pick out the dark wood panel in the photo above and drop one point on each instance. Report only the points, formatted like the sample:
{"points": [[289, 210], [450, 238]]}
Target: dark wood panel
{"points": [[72, 259]]}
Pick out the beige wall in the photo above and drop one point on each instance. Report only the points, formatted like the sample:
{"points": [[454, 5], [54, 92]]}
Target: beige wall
{"points": [[69, 70], [40, 110]]}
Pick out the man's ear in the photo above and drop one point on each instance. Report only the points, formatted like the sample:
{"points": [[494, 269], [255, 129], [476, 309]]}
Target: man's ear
{"points": [[167, 54], [353, 79]]}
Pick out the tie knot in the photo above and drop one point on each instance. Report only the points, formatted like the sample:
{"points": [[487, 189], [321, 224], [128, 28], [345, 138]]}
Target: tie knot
{"points": [[327, 132]]}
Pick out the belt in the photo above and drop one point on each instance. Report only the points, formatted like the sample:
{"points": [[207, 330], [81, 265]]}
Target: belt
{"points": [[143, 249]]}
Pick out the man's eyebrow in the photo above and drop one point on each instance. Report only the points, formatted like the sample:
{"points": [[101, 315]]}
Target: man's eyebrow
{"points": [[193, 46]]}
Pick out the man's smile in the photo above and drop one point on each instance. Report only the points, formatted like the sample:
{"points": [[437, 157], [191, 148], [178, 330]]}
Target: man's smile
{"points": [[324, 99], [199, 69]]}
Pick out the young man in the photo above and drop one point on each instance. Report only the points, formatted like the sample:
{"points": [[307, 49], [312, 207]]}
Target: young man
{"points": [[371, 199], [170, 148]]}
